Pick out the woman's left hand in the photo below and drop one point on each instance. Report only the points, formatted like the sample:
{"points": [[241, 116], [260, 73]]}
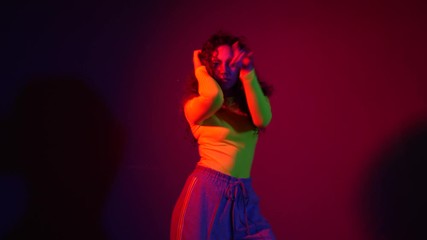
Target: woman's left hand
{"points": [[242, 59]]}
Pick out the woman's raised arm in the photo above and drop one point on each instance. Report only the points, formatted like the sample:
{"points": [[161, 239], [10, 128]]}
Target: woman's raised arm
{"points": [[210, 98]]}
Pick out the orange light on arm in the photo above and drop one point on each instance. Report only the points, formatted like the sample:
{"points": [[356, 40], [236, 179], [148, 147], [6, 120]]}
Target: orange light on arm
{"points": [[209, 101]]}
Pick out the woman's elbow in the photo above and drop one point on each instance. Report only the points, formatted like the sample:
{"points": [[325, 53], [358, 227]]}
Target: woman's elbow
{"points": [[263, 122]]}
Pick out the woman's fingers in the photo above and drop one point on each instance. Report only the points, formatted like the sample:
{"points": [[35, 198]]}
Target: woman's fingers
{"points": [[235, 46], [242, 58], [237, 58], [196, 59], [237, 54]]}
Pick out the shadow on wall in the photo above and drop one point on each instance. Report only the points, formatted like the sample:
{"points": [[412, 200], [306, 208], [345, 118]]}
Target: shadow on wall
{"points": [[395, 195], [64, 142]]}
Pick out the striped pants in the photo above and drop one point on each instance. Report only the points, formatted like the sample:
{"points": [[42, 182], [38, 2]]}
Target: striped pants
{"points": [[213, 205]]}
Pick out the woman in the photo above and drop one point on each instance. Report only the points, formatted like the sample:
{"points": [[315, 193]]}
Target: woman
{"points": [[225, 111]]}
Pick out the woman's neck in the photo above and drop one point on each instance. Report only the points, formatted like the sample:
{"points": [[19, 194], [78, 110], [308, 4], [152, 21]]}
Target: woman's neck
{"points": [[228, 93]]}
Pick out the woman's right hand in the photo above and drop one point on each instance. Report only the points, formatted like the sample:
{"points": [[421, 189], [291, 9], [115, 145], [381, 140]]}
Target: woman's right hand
{"points": [[196, 60]]}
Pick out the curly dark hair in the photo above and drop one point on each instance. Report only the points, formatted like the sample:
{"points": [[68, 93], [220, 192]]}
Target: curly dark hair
{"points": [[209, 47]]}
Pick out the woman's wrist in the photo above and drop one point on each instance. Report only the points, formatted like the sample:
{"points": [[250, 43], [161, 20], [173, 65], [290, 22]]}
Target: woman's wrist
{"points": [[247, 75]]}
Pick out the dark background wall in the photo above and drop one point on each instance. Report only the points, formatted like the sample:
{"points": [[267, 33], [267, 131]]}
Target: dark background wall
{"points": [[94, 142]]}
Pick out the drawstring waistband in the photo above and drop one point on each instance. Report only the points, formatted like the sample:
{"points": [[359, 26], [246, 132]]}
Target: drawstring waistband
{"points": [[236, 194], [236, 199]]}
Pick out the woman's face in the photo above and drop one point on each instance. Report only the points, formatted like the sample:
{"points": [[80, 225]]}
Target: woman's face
{"points": [[225, 74]]}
